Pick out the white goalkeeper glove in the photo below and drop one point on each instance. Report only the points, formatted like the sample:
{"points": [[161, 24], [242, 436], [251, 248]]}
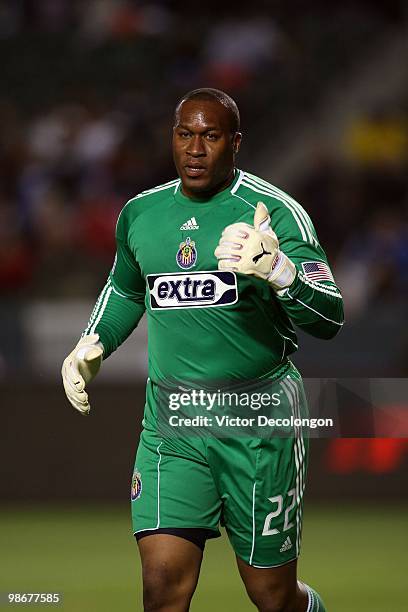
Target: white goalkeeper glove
{"points": [[255, 250], [79, 368]]}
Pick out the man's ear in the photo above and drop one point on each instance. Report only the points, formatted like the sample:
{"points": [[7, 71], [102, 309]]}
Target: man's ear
{"points": [[237, 141]]}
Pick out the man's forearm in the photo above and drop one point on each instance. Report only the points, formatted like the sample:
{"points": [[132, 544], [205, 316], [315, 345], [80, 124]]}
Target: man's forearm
{"points": [[315, 307], [114, 317]]}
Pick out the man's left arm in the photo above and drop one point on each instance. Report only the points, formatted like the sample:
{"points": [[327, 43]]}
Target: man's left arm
{"points": [[316, 306], [312, 301], [286, 253]]}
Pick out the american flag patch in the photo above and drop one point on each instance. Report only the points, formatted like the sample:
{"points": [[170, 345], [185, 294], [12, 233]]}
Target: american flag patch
{"points": [[317, 271]]}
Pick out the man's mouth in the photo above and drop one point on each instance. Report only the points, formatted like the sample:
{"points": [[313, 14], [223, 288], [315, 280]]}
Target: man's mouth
{"points": [[194, 169]]}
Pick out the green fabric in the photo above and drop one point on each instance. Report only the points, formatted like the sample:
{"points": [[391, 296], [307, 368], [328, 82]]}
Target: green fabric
{"points": [[315, 601], [207, 327], [249, 334], [254, 486]]}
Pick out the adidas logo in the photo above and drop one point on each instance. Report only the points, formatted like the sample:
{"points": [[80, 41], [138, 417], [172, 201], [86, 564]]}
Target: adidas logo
{"points": [[191, 224], [287, 545]]}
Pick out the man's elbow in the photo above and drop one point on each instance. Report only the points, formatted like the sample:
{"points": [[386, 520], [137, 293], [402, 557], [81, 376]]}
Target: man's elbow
{"points": [[325, 331], [331, 330], [333, 325]]}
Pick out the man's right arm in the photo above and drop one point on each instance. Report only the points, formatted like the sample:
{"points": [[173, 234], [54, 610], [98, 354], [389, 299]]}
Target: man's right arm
{"points": [[118, 310], [121, 303]]}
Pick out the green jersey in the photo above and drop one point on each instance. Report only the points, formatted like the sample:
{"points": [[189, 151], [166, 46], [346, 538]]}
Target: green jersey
{"points": [[206, 324]]}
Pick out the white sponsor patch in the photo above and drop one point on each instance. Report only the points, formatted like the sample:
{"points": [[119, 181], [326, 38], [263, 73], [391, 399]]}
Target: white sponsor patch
{"points": [[192, 290]]}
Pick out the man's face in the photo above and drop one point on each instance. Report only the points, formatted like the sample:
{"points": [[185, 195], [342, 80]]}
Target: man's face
{"points": [[204, 147]]}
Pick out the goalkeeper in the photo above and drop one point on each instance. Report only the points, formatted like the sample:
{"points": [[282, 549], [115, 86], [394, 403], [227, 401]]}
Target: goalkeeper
{"points": [[223, 263]]}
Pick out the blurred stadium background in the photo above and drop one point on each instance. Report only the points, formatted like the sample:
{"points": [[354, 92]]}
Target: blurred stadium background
{"points": [[87, 91]]}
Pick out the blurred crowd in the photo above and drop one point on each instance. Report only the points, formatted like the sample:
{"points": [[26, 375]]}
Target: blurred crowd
{"points": [[86, 101], [358, 198]]}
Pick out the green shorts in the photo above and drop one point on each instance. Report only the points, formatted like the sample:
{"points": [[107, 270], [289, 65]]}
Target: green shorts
{"points": [[252, 486]]}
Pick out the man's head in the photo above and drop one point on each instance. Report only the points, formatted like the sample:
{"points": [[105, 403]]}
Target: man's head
{"points": [[206, 139]]}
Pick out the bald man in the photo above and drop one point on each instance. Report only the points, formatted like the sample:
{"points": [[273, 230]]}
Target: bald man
{"points": [[224, 264]]}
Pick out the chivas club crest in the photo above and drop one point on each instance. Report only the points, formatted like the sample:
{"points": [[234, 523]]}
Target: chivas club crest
{"points": [[187, 254], [136, 487]]}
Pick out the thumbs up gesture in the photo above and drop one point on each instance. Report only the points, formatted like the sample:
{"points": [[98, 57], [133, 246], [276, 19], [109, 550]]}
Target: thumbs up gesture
{"points": [[255, 250]]}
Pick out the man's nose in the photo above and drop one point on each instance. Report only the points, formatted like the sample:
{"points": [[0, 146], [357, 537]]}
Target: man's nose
{"points": [[196, 147]]}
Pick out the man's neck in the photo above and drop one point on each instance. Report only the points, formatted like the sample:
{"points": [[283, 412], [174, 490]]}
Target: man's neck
{"points": [[207, 195]]}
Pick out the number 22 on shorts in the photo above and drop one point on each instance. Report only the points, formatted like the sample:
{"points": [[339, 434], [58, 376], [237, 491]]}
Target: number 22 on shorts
{"points": [[278, 499]]}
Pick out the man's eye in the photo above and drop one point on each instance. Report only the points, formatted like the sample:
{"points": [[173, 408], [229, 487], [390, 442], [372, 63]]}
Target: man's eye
{"points": [[212, 137], [184, 134]]}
